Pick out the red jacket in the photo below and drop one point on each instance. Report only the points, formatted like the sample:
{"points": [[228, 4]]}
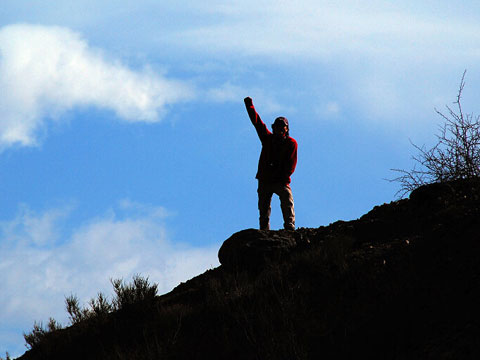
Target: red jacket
{"points": [[279, 155]]}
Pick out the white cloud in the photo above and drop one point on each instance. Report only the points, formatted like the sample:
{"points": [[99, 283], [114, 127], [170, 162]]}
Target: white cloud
{"points": [[37, 275], [45, 71], [304, 28], [327, 29], [407, 45], [229, 92], [387, 61], [39, 230]]}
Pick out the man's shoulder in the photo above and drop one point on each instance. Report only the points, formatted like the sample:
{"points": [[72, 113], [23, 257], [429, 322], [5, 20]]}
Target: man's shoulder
{"points": [[292, 140]]}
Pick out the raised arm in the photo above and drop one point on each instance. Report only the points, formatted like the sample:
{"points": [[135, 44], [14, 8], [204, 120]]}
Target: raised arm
{"points": [[261, 128]]}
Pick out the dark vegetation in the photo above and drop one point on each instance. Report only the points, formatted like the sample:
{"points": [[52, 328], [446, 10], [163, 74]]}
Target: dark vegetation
{"points": [[401, 282], [140, 291]]}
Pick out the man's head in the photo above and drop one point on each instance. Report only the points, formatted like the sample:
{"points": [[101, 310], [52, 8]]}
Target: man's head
{"points": [[280, 126]]}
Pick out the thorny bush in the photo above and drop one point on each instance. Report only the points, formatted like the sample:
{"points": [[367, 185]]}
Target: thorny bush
{"points": [[455, 156], [138, 292]]}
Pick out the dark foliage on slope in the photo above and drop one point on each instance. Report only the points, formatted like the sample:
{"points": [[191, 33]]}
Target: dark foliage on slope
{"points": [[401, 282]]}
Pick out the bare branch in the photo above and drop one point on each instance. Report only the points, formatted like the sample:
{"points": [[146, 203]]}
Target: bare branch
{"points": [[456, 155]]}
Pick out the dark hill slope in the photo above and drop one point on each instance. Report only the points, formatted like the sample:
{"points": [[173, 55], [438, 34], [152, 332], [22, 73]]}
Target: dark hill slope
{"points": [[401, 282]]}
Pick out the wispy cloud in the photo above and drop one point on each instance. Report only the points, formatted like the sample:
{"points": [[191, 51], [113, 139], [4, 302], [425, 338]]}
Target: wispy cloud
{"points": [[39, 267], [392, 62], [327, 29], [229, 92], [45, 71]]}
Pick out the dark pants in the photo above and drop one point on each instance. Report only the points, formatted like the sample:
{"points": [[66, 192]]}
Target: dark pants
{"points": [[284, 192]]}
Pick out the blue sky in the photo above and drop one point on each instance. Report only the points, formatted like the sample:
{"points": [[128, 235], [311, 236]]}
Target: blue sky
{"points": [[125, 147]]}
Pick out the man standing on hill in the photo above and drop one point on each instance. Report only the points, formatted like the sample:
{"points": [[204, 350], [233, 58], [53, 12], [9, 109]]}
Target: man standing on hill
{"points": [[277, 162]]}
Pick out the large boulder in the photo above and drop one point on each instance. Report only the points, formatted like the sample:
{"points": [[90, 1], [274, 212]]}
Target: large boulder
{"points": [[251, 249]]}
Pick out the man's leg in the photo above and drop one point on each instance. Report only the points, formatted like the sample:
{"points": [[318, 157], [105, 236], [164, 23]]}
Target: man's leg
{"points": [[286, 203], [264, 200]]}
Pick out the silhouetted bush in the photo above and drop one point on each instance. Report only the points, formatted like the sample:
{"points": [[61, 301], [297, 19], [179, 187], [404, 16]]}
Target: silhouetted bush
{"points": [[129, 294], [138, 292], [455, 156], [39, 333]]}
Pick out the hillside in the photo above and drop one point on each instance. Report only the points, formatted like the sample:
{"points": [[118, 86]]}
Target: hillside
{"points": [[401, 282]]}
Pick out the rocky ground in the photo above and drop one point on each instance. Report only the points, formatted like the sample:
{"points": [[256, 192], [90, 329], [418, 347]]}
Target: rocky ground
{"points": [[401, 282]]}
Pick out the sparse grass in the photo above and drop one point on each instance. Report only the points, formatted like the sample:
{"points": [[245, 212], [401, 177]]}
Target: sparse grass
{"points": [[138, 292]]}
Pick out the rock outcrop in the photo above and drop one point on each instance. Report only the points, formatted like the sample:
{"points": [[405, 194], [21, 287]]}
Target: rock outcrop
{"points": [[252, 249]]}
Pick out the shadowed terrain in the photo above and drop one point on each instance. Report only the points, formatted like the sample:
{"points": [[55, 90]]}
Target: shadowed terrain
{"points": [[401, 282]]}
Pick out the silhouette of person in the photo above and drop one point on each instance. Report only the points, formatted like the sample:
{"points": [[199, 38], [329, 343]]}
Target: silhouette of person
{"points": [[277, 162]]}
